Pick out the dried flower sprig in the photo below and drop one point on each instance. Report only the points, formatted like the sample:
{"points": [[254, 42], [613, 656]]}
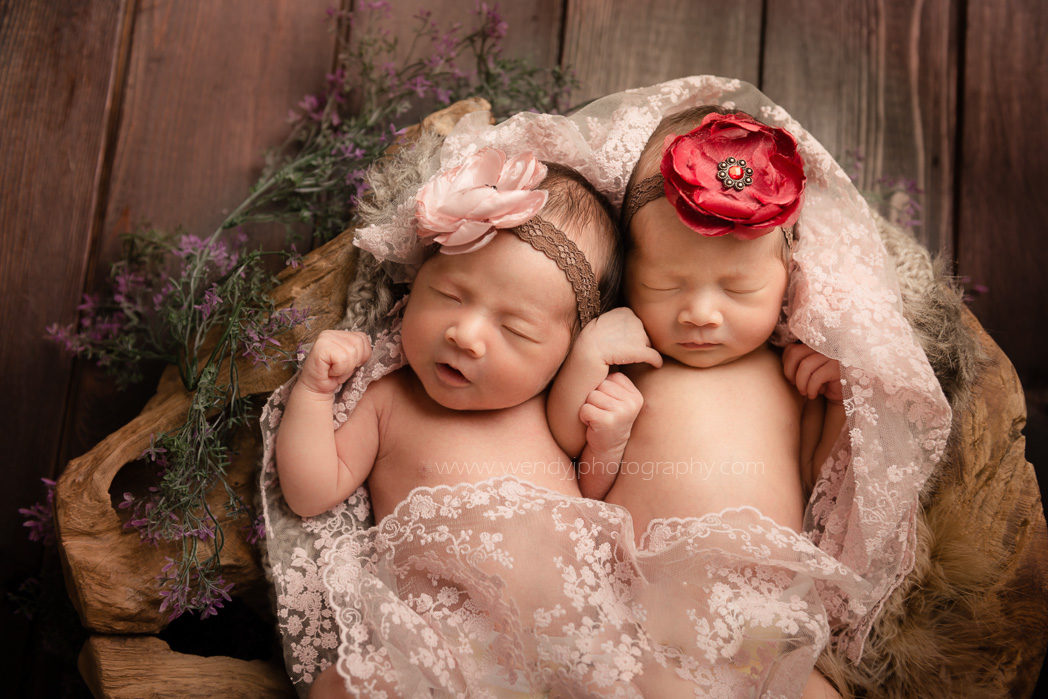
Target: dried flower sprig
{"points": [[200, 304], [190, 462], [181, 300], [378, 87], [39, 518]]}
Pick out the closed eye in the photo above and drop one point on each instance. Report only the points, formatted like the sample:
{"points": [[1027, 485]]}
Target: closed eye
{"points": [[655, 288], [518, 333], [743, 291], [446, 294]]}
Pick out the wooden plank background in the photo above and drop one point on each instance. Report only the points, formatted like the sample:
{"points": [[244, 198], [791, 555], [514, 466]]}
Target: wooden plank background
{"points": [[119, 112]]}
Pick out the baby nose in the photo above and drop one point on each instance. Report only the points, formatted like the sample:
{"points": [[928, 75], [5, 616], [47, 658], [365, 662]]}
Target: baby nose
{"points": [[467, 335], [700, 312]]}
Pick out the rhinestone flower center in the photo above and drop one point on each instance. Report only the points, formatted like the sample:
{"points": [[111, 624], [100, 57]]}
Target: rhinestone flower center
{"points": [[734, 174]]}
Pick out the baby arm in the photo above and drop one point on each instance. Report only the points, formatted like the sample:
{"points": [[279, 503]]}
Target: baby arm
{"points": [[314, 476], [591, 413], [815, 374], [608, 414]]}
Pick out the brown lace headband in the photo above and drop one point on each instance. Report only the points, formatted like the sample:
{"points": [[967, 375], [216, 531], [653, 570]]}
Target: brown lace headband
{"points": [[551, 242], [648, 190]]}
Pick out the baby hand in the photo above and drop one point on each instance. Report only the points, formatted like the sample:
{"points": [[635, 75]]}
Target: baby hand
{"points": [[609, 412], [336, 354], [618, 337], [812, 373]]}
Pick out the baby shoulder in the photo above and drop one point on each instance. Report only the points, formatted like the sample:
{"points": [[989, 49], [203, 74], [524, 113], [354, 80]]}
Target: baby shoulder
{"points": [[382, 394]]}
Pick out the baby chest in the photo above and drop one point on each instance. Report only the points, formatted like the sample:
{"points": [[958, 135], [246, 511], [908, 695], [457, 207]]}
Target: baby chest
{"points": [[457, 447], [736, 411]]}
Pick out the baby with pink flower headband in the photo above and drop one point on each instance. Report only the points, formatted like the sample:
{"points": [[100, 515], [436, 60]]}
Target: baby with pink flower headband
{"points": [[524, 251], [708, 218]]}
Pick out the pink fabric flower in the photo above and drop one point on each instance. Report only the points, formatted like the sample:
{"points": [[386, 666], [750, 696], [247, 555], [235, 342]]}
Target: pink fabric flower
{"points": [[704, 203], [462, 208]]}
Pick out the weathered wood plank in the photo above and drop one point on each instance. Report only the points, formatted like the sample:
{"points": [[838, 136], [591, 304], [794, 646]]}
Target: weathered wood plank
{"points": [[532, 26], [615, 44], [879, 78], [1002, 208], [56, 62], [208, 89], [145, 666]]}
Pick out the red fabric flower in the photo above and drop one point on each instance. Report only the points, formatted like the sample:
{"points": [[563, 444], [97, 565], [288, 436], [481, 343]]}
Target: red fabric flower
{"points": [[705, 204]]}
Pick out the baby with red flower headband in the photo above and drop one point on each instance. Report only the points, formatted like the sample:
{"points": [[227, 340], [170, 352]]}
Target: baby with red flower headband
{"points": [[708, 218], [489, 320]]}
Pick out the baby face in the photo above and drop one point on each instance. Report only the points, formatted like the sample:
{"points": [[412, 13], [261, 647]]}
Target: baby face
{"points": [[703, 301], [488, 329]]}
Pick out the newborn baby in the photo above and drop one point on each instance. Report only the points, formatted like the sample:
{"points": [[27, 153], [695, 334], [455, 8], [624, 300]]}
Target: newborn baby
{"points": [[721, 426], [487, 324]]}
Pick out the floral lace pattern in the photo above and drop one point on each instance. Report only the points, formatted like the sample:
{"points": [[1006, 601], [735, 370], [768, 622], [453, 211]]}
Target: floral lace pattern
{"points": [[503, 586], [294, 545], [499, 588]]}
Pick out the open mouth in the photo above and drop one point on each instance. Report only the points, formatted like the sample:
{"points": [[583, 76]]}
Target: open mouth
{"points": [[450, 375]]}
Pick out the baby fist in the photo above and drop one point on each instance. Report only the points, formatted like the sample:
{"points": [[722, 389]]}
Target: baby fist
{"points": [[812, 373], [336, 354], [618, 337], [609, 412]]}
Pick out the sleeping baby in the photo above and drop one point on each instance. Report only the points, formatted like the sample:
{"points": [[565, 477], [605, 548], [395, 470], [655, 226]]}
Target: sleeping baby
{"points": [[526, 248]]}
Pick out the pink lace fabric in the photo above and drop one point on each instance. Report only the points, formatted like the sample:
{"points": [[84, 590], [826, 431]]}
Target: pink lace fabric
{"points": [[501, 588]]}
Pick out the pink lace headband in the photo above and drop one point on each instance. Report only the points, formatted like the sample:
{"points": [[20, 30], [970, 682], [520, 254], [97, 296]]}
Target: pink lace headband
{"points": [[463, 208], [732, 174]]}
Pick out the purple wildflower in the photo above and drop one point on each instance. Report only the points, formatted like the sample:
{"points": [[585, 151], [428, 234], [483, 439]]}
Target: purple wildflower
{"points": [[294, 258], [337, 80], [211, 599], [39, 518], [66, 336], [349, 150], [312, 106], [210, 302], [494, 26], [255, 531], [127, 283], [153, 452], [89, 305], [189, 245], [419, 84]]}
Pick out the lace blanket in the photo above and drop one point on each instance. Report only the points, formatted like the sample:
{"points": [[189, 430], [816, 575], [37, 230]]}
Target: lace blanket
{"points": [[504, 589]]}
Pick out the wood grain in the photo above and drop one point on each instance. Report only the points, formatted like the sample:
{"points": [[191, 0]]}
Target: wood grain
{"points": [[130, 667], [615, 44], [533, 26], [208, 89], [878, 78], [1002, 204], [56, 62], [1003, 208]]}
